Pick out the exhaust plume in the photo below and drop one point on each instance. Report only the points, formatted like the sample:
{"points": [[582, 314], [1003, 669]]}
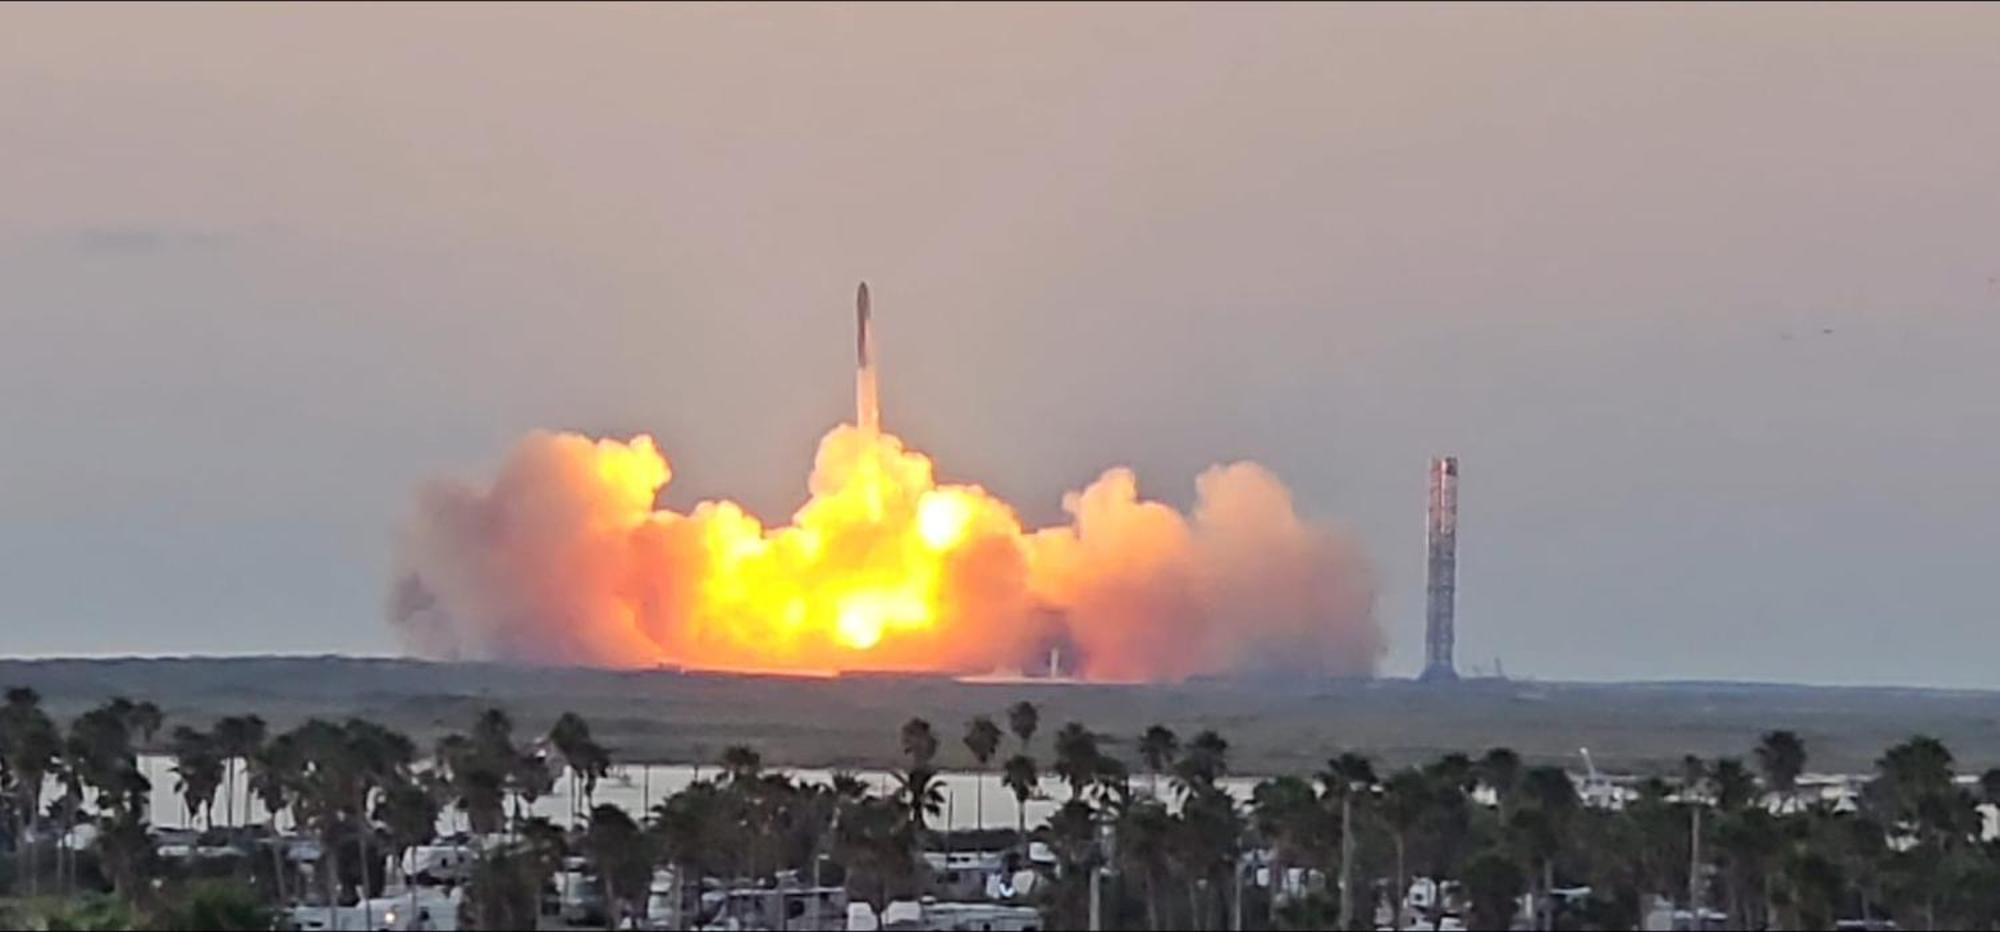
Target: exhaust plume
{"points": [[564, 559]]}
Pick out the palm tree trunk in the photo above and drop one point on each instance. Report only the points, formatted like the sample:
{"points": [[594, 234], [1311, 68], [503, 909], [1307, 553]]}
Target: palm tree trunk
{"points": [[1544, 906], [1770, 909], [23, 829], [277, 860], [1346, 860], [329, 866], [66, 877], [1402, 892], [361, 832], [1694, 861], [1152, 900], [1277, 877]]}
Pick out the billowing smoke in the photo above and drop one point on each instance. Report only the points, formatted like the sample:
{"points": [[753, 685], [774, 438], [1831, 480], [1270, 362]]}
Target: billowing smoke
{"points": [[563, 559]]}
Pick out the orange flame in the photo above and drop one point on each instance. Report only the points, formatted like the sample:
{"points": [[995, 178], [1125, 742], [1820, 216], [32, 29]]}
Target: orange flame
{"points": [[565, 558]]}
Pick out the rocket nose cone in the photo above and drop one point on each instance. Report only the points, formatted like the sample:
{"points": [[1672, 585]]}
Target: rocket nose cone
{"points": [[861, 297]]}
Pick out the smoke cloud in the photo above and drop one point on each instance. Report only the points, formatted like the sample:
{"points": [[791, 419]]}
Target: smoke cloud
{"points": [[564, 559]]}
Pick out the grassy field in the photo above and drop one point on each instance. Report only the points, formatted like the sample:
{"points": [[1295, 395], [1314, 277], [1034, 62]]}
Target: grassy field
{"points": [[664, 716]]}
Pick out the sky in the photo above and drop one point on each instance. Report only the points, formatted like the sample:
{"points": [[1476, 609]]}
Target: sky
{"points": [[1704, 298]]}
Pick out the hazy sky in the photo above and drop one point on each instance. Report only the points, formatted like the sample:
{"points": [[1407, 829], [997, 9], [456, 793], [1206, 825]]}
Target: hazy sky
{"points": [[1706, 299]]}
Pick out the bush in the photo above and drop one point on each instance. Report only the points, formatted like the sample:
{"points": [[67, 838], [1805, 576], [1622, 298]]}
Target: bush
{"points": [[221, 905]]}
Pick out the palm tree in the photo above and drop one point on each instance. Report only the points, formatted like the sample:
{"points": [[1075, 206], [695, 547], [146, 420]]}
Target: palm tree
{"points": [[1543, 825], [1203, 762], [918, 790], [1076, 757], [1113, 783], [271, 773], [1659, 837], [493, 732], [408, 810], [1071, 835], [485, 771], [199, 769], [693, 831], [29, 748], [235, 737], [1453, 770], [1209, 844], [1493, 884], [1807, 884], [1019, 775], [623, 857], [920, 743], [1145, 839], [380, 757], [1406, 799], [740, 764], [327, 779], [586, 760], [1022, 719], [508, 879], [125, 846], [1500, 770], [531, 777], [1748, 840], [478, 786], [1453, 778], [1781, 757], [1158, 746], [143, 719], [1287, 815], [1346, 778], [1732, 784], [1913, 791], [100, 755], [64, 810], [492, 746], [872, 841], [982, 738], [101, 743]]}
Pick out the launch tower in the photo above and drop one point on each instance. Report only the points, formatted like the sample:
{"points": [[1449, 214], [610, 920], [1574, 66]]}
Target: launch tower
{"points": [[1441, 589]]}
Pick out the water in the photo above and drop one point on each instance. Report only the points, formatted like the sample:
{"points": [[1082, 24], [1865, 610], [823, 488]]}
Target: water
{"points": [[972, 800]]}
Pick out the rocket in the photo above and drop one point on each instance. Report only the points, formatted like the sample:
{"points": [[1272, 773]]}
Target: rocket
{"points": [[861, 346], [867, 409]]}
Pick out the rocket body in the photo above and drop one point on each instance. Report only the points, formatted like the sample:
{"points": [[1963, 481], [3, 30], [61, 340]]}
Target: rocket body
{"points": [[867, 413], [862, 349]]}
